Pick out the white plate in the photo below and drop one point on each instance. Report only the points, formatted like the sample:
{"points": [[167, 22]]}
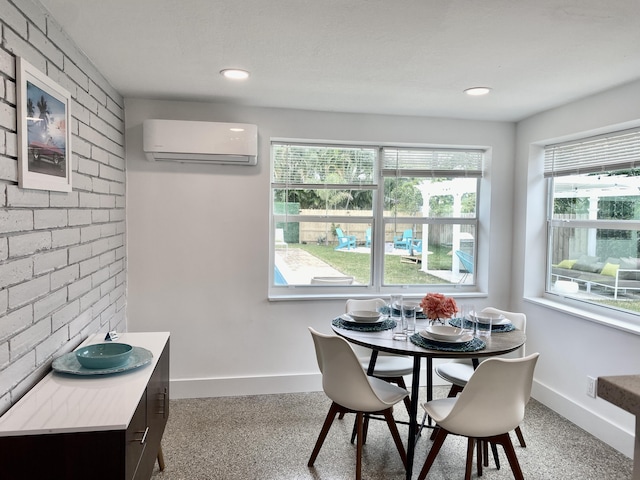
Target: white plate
{"points": [[347, 318], [364, 316], [415, 304], [496, 318], [467, 337], [444, 332]]}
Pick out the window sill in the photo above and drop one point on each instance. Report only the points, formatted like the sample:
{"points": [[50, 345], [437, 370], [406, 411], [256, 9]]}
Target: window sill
{"points": [[626, 322], [459, 297]]}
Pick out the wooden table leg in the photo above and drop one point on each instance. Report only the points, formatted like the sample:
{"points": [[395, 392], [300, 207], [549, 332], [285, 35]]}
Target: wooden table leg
{"points": [[413, 422], [160, 459]]}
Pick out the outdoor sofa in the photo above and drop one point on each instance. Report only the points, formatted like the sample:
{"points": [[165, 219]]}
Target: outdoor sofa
{"points": [[617, 274]]}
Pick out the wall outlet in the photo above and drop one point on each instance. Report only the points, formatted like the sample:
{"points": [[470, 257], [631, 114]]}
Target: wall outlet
{"points": [[591, 386]]}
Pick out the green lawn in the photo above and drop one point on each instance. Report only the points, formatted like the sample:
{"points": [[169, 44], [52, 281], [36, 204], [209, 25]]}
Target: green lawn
{"points": [[358, 265]]}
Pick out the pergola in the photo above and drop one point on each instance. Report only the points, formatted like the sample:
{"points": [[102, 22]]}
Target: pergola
{"points": [[455, 188], [594, 187]]}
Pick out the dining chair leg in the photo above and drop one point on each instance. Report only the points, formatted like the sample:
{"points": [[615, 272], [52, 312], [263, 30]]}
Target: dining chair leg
{"points": [[479, 447], [520, 437], [469, 464], [335, 408], [505, 441], [360, 429], [393, 428], [454, 390], [424, 420], [494, 450], [433, 453], [354, 431], [365, 428], [485, 453]]}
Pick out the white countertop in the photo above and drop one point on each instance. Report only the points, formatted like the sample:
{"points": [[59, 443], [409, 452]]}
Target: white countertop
{"points": [[62, 403]]}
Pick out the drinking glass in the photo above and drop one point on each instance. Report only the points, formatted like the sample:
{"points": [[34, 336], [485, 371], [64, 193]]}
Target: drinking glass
{"points": [[395, 312], [466, 322], [484, 327], [409, 319]]}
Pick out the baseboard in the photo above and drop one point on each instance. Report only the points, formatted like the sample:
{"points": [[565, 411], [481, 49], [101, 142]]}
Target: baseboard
{"points": [[240, 386], [598, 426]]}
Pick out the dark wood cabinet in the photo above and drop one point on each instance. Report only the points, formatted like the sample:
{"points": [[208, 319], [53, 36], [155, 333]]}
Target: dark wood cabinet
{"points": [[127, 453]]}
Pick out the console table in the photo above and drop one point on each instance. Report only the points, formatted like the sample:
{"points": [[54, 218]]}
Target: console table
{"points": [[103, 427], [624, 392]]}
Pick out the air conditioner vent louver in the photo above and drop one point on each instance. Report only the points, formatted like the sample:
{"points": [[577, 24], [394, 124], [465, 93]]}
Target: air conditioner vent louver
{"points": [[200, 142]]}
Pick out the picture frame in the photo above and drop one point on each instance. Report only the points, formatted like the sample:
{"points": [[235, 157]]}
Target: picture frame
{"points": [[44, 135]]}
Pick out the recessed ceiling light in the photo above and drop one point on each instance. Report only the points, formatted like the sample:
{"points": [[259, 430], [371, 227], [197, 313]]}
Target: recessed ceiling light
{"points": [[234, 73], [475, 91]]}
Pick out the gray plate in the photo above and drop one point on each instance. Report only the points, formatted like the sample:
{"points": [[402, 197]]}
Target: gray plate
{"points": [[68, 363]]}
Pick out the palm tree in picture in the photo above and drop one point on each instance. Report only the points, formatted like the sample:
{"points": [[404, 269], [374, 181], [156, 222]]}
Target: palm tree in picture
{"points": [[30, 109], [43, 107]]}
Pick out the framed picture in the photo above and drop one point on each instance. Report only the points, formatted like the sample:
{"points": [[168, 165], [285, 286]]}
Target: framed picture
{"points": [[44, 138]]}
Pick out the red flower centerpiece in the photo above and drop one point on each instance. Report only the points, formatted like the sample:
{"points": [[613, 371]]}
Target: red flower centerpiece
{"points": [[438, 307]]}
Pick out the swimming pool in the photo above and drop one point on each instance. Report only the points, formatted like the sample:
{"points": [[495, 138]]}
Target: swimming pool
{"points": [[278, 278]]}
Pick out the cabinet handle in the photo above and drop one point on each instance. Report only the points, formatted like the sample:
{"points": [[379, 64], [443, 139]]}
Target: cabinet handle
{"points": [[144, 435], [162, 396]]}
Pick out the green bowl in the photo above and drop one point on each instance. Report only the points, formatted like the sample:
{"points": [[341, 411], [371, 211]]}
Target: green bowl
{"points": [[104, 355]]}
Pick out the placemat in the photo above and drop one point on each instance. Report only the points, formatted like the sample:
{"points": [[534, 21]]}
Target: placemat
{"points": [[364, 327], [455, 322], [470, 346]]}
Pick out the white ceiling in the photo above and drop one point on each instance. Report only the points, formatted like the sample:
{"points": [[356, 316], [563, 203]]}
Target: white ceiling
{"points": [[407, 57]]}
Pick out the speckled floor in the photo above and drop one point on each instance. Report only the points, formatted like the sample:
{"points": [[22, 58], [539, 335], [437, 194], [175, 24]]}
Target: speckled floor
{"points": [[270, 437]]}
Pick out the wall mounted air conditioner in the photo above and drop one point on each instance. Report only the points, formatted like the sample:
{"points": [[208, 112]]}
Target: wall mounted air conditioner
{"points": [[200, 142]]}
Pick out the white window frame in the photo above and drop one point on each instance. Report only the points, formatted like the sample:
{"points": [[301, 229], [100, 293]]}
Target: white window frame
{"points": [[616, 150], [377, 222]]}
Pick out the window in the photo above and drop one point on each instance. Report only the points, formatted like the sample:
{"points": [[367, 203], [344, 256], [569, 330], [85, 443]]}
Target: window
{"points": [[429, 209], [594, 220], [361, 218]]}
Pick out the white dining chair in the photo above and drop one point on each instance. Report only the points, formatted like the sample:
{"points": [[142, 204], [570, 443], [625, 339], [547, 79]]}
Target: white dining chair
{"points": [[490, 406], [353, 391], [389, 367], [458, 372]]}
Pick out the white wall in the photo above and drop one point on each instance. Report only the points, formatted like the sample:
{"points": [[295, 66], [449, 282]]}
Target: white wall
{"points": [[198, 253], [570, 345], [62, 255]]}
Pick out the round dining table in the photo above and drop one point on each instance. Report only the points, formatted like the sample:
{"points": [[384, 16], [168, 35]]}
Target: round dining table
{"points": [[498, 343]]}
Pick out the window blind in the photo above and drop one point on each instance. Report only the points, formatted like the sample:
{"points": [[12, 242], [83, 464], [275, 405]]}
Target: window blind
{"points": [[613, 151], [420, 162], [323, 166]]}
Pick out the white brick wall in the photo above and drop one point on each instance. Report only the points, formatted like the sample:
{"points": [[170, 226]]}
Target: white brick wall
{"points": [[62, 255]]}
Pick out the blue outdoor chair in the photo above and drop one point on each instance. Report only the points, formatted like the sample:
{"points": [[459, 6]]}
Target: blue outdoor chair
{"points": [[404, 241], [367, 237], [416, 247], [347, 241], [467, 262]]}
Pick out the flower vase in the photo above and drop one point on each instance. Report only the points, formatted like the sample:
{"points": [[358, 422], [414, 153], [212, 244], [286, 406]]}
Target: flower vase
{"points": [[437, 321]]}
